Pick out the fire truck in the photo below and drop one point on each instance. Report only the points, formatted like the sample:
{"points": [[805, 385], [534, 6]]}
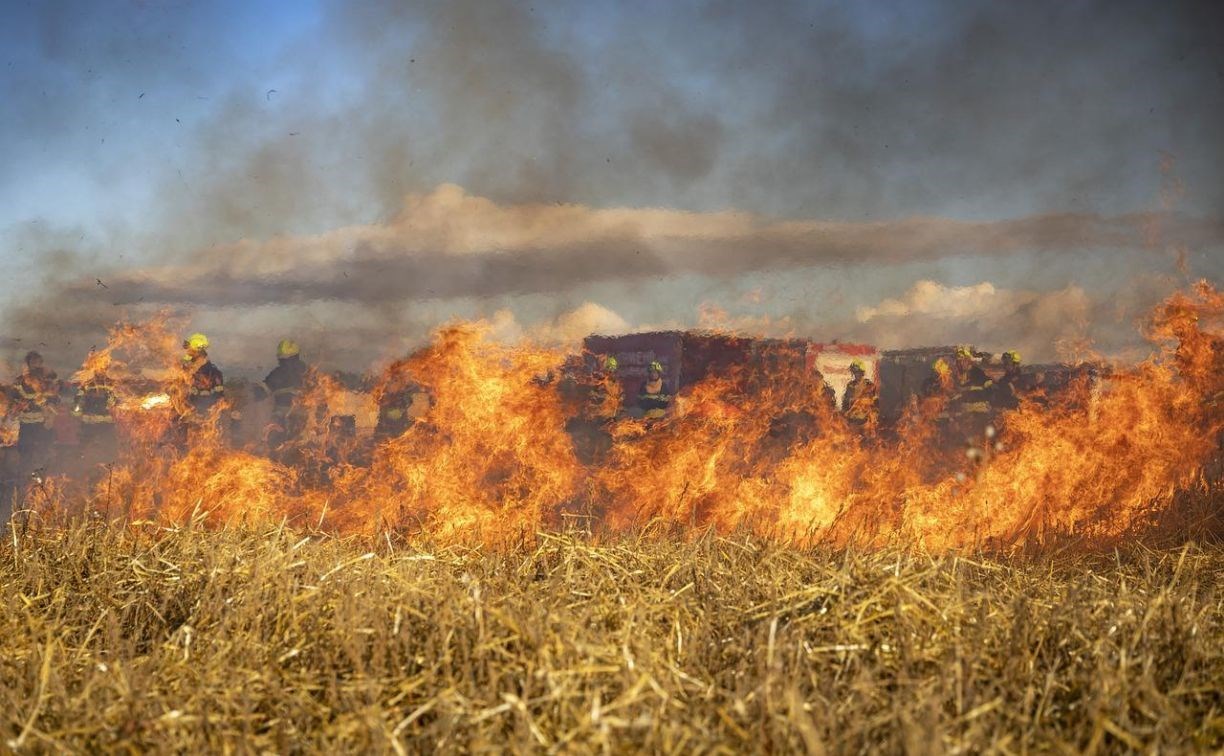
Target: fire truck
{"points": [[688, 357], [903, 372]]}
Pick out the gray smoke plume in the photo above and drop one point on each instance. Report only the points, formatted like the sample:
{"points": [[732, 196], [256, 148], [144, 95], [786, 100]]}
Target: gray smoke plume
{"points": [[836, 134]]}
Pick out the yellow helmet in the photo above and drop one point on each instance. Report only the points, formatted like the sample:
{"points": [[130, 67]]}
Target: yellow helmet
{"points": [[858, 366], [611, 364], [964, 351], [1011, 356], [287, 348], [656, 366], [197, 342]]}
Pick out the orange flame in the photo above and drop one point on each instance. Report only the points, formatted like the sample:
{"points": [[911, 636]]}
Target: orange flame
{"points": [[492, 460]]}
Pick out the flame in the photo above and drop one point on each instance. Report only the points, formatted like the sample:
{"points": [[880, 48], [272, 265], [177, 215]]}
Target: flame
{"points": [[492, 458], [153, 401]]}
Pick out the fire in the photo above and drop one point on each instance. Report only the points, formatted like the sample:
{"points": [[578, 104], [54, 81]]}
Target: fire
{"points": [[487, 453], [492, 459], [153, 401]]}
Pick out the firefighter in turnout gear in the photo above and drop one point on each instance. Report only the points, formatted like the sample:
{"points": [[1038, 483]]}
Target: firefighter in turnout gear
{"points": [[285, 384], [970, 407], [37, 401], [653, 398], [94, 406], [861, 397], [939, 382], [398, 404], [1008, 389], [937, 392], [603, 393], [206, 385], [205, 389], [971, 396], [593, 396]]}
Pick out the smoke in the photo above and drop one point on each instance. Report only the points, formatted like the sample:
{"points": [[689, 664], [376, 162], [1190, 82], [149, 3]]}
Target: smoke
{"points": [[316, 190], [566, 331], [1065, 324], [449, 244], [985, 315]]}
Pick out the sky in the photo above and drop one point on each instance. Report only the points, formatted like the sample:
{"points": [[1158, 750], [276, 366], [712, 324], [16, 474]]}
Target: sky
{"points": [[352, 174]]}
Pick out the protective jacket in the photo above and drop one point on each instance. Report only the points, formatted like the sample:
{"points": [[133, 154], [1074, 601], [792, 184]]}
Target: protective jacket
{"points": [[285, 384], [94, 401], [394, 412], [859, 401], [37, 394], [207, 386], [1005, 394], [973, 393], [602, 397], [652, 397]]}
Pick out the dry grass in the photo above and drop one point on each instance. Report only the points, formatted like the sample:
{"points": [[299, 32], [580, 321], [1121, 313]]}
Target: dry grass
{"points": [[190, 640]]}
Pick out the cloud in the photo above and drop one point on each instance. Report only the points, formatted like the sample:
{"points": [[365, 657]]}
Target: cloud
{"points": [[566, 331], [1065, 323], [572, 327], [448, 243], [595, 147], [450, 253]]}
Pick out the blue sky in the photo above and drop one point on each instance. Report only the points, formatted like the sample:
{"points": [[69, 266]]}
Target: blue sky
{"points": [[145, 134]]}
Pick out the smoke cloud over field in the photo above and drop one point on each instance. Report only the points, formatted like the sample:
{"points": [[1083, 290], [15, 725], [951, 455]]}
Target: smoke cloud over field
{"points": [[448, 244], [361, 172]]}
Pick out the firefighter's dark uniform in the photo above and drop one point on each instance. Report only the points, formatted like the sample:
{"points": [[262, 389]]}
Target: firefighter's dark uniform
{"points": [[859, 401], [37, 394], [971, 402], [937, 384], [207, 387], [1006, 392], [652, 399], [595, 402], [95, 400], [600, 403], [285, 384], [394, 412]]}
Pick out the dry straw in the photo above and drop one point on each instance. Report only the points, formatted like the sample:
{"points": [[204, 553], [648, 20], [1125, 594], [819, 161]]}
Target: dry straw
{"points": [[193, 640]]}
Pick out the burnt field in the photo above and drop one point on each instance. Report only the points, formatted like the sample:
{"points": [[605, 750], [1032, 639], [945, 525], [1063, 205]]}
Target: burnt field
{"points": [[189, 639]]}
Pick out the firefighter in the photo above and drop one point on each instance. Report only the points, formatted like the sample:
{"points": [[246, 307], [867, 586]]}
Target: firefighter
{"points": [[395, 410], [937, 393], [285, 384], [861, 397], [205, 389], [939, 382], [593, 401], [1008, 389], [206, 385], [970, 406], [37, 398], [93, 406], [653, 399], [971, 384], [603, 396]]}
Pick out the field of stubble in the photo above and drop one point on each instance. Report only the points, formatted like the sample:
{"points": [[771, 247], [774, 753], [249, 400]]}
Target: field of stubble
{"points": [[193, 640]]}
